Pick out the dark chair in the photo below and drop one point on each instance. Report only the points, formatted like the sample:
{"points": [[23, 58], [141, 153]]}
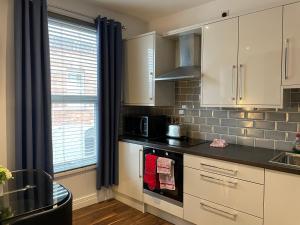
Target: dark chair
{"points": [[61, 215]]}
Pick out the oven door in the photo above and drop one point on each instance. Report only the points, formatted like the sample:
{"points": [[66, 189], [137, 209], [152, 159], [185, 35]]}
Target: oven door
{"points": [[176, 196]]}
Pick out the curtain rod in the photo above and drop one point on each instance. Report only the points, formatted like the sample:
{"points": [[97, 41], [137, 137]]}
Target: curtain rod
{"points": [[79, 14]]}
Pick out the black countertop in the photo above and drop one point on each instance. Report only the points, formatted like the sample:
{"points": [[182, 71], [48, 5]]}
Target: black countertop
{"points": [[258, 157]]}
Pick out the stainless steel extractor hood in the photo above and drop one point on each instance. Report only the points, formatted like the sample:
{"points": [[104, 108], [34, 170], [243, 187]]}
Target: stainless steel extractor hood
{"points": [[189, 60]]}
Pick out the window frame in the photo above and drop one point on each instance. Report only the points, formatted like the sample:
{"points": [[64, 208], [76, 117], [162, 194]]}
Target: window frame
{"points": [[74, 99]]}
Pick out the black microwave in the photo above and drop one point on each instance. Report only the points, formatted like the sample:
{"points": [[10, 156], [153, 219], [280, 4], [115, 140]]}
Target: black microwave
{"points": [[145, 126]]}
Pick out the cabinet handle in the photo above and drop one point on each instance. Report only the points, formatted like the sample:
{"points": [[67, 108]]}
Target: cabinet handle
{"points": [[241, 82], [140, 174], [151, 85], [233, 172], [286, 51], [219, 211], [232, 82], [234, 183]]}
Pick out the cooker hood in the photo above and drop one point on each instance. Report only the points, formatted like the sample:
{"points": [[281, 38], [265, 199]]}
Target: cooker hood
{"points": [[189, 60]]}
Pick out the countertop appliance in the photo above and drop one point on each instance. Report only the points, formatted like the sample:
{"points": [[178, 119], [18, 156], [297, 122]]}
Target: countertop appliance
{"points": [[176, 131], [145, 126], [175, 196]]}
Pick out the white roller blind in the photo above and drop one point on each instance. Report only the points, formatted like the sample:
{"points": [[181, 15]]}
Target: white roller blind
{"points": [[73, 62]]}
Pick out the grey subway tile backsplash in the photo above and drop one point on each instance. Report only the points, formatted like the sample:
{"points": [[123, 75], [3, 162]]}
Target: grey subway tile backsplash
{"points": [[244, 123], [275, 135], [284, 126], [205, 128], [249, 141], [230, 138], [236, 115], [256, 115], [294, 117], [212, 136], [220, 114], [236, 131], [267, 125], [284, 145], [213, 121], [220, 130], [263, 143], [250, 132], [205, 113], [290, 136], [276, 116], [228, 122], [266, 128]]}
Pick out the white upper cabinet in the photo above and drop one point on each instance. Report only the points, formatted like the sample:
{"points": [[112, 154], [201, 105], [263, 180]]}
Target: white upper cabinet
{"points": [[291, 44], [145, 57], [260, 49], [241, 64], [219, 64]]}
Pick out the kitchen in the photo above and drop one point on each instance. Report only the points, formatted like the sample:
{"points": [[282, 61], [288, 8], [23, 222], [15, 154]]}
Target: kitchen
{"points": [[185, 112], [235, 80]]}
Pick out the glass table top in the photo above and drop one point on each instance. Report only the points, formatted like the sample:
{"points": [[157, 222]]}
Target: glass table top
{"points": [[28, 192]]}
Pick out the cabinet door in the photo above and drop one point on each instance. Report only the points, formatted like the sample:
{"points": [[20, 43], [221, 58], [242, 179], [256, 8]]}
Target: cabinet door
{"points": [[139, 70], [281, 198], [291, 38], [260, 48], [220, 46], [131, 170]]}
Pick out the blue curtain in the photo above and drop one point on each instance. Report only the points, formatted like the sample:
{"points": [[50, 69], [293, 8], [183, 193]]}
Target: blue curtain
{"points": [[33, 96], [109, 56]]}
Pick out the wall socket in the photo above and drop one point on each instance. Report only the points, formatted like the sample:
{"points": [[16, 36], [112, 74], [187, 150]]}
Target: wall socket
{"points": [[225, 13]]}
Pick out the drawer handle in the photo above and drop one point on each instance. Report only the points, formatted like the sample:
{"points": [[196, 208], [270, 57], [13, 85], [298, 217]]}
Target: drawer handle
{"points": [[233, 172], [218, 211], [220, 180]]}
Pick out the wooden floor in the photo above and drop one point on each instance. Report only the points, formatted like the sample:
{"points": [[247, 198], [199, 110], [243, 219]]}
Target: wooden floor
{"points": [[114, 212]]}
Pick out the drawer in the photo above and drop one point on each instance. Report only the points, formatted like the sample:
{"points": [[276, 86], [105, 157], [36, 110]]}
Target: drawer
{"points": [[163, 205], [236, 170], [234, 193], [203, 212]]}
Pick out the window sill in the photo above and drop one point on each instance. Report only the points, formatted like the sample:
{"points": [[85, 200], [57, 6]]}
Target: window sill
{"points": [[74, 171]]}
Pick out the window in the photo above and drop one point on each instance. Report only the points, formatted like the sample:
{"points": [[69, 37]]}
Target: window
{"points": [[73, 63]]}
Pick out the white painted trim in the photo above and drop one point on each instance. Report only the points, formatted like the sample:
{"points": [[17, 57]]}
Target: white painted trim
{"points": [[85, 201], [74, 171], [130, 202], [166, 216], [141, 35]]}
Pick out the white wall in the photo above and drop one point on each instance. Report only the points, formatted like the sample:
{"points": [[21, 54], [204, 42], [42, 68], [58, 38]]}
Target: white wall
{"points": [[134, 26], [211, 11], [82, 184]]}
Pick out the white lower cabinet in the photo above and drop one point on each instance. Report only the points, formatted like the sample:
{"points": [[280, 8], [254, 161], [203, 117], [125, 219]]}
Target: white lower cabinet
{"points": [[222, 193], [130, 170], [236, 194], [282, 198], [202, 212]]}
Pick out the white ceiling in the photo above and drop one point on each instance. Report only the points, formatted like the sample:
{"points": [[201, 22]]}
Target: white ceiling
{"points": [[148, 10]]}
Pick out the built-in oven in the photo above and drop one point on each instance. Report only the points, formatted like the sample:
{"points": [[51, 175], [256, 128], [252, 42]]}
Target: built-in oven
{"points": [[171, 196]]}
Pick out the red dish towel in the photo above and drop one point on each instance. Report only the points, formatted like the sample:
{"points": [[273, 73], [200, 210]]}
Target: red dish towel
{"points": [[150, 175]]}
